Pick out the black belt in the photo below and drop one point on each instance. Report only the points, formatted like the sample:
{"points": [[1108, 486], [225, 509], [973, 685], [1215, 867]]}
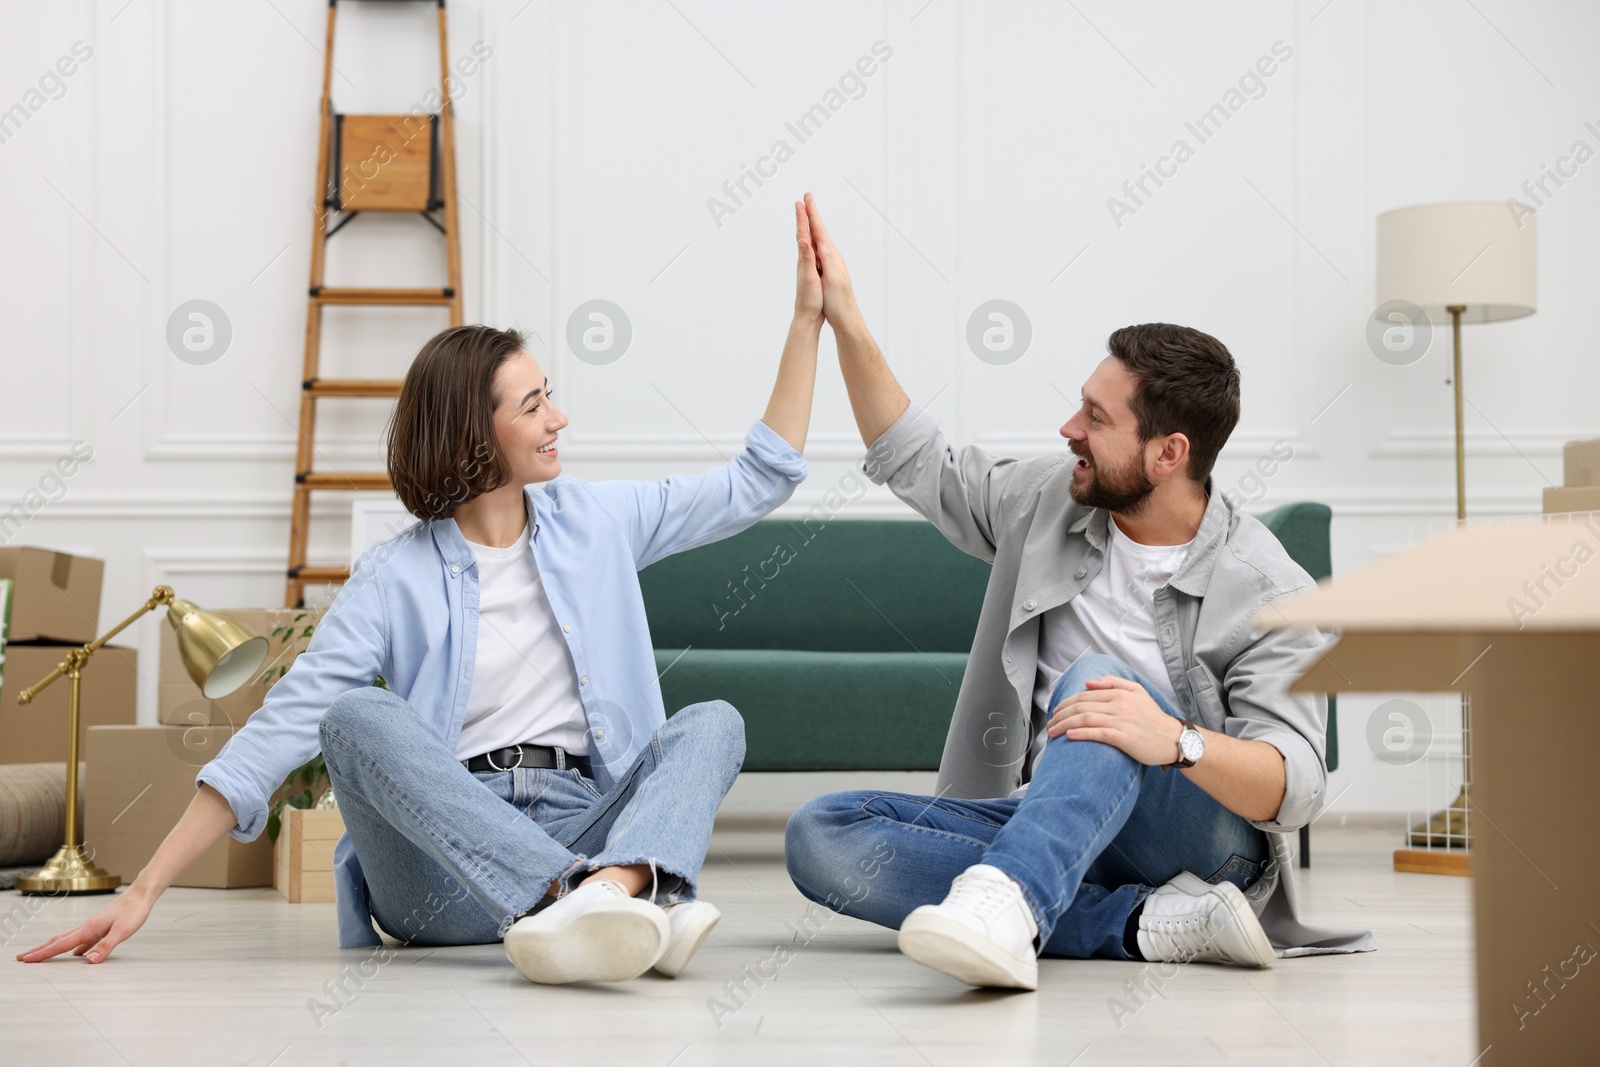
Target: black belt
{"points": [[537, 757]]}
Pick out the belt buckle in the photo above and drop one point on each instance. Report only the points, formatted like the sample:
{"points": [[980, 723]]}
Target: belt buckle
{"points": [[489, 756]]}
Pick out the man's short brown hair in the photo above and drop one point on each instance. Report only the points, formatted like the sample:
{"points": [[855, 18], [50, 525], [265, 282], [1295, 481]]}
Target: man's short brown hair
{"points": [[443, 450], [1186, 383]]}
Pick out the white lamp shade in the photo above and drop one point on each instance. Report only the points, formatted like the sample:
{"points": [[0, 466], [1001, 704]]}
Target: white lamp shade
{"points": [[1474, 253]]}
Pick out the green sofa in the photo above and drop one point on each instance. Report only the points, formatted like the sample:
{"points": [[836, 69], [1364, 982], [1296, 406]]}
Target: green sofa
{"points": [[843, 643]]}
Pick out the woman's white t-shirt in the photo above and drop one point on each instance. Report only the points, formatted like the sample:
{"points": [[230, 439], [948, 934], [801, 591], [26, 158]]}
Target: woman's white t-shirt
{"points": [[524, 690]]}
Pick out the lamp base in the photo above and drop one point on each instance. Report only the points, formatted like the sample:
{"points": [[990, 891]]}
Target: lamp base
{"points": [[68, 872], [1447, 828]]}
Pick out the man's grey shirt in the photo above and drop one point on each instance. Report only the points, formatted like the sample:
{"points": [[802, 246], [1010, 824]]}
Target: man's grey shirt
{"points": [[1230, 675]]}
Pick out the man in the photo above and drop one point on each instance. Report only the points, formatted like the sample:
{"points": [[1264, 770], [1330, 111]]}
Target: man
{"points": [[1125, 761]]}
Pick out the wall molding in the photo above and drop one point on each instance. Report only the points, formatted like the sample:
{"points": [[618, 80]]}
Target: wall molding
{"points": [[1433, 444], [159, 504], [359, 453]]}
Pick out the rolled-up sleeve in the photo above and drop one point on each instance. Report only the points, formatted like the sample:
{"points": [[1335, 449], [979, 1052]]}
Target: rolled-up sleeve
{"points": [[1261, 708], [968, 493], [348, 649], [682, 512]]}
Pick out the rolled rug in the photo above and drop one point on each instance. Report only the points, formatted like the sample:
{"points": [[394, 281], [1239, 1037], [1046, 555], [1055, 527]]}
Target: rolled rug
{"points": [[33, 815]]}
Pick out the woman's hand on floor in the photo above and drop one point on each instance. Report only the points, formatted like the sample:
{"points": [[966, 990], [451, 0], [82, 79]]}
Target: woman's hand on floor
{"points": [[96, 936]]}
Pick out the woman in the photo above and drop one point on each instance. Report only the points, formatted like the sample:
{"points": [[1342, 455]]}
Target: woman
{"points": [[518, 779]]}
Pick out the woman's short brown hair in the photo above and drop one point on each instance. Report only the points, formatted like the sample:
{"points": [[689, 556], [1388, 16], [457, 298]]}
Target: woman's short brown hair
{"points": [[443, 450]]}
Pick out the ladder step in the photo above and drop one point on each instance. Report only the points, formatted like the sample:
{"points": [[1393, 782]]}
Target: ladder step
{"points": [[326, 387], [362, 480], [320, 575], [418, 297]]}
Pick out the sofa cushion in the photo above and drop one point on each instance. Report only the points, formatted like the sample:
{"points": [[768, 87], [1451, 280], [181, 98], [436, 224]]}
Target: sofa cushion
{"points": [[835, 586], [808, 711]]}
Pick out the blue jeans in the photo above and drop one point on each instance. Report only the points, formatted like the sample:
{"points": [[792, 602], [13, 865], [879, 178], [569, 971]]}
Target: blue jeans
{"points": [[454, 858], [1096, 832]]}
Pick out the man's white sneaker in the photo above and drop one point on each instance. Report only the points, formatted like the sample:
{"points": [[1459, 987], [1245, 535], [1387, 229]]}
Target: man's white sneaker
{"points": [[1189, 920], [691, 922], [596, 933], [982, 933]]}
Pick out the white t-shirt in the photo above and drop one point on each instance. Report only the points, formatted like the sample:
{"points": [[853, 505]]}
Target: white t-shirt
{"points": [[1114, 615], [524, 690]]}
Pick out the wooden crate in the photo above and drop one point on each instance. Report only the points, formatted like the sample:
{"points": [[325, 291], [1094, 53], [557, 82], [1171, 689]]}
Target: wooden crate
{"points": [[303, 871]]}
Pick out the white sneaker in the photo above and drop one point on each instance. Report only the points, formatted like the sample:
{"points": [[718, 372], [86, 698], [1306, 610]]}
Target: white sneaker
{"points": [[691, 922], [982, 933], [596, 933], [1189, 920]]}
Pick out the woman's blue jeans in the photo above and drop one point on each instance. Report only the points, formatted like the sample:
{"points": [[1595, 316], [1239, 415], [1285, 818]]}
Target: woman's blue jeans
{"points": [[453, 858], [1096, 832]]}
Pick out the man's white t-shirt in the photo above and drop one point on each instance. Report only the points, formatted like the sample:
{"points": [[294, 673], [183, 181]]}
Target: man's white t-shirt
{"points": [[524, 690], [1114, 615]]}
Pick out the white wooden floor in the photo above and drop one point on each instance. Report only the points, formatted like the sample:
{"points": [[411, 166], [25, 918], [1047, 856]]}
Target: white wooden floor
{"points": [[229, 977]]}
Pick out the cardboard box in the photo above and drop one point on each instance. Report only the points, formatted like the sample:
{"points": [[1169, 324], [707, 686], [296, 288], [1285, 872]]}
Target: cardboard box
{"points": [[1509, 614], [56, 596], [179, 701], [37, 732], [303, 871], [140, 780], [1559, 499], [1580, 463]]}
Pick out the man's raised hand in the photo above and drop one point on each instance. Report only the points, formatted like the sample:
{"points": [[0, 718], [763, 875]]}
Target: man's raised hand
{"points": [[838, 298]]}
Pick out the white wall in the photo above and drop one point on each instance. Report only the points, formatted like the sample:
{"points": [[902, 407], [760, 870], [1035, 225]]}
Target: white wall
{"points": [[976, 164]]}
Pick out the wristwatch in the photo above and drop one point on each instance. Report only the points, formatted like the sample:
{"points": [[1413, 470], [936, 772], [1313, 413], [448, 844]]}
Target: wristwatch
{"points": [[1191, 746]]}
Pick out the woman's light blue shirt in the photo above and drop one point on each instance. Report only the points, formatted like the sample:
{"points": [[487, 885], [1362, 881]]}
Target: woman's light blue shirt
{"points": [[410, 613]]}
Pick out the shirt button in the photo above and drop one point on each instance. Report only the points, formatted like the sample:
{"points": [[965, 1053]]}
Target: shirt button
{"points": [[1029, 604], [583, 681], [1080, 572], [1166, 635], [566, 629], [1009, 659], [454, 569], [599, 735]]}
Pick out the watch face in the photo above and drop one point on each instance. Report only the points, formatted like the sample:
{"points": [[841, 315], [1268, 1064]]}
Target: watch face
{"points": [[1193, 745]]}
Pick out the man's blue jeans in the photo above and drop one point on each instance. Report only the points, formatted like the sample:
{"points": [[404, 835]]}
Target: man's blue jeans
{"points": [[1096, 832], [453, 858]]}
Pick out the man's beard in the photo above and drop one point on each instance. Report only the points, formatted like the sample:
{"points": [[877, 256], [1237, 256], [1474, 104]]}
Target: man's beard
{"points": [[1122, 491]]}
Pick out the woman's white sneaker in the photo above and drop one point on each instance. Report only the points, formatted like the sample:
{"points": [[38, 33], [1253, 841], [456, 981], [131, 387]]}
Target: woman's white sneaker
{"points": [[596, 933], [982, 933], [691, 922], [1189, 920]]}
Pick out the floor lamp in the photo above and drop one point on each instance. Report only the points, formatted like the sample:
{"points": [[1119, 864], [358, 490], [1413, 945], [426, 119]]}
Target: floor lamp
{"points": [[1471, 262], [219, 654]]}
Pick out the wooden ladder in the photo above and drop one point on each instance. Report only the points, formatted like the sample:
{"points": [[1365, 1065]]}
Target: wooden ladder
{"points": [[393, 163]]}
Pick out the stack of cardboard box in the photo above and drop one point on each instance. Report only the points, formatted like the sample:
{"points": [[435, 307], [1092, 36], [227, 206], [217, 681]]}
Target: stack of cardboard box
{"points": [[55, 605], [1581, 473], [141, 778]]}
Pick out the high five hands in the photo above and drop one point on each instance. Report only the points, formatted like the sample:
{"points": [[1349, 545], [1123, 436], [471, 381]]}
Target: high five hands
{"points": [[820, 258]]}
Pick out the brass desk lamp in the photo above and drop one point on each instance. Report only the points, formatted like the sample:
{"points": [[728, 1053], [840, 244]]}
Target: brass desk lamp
{"points": [[219, 654]]}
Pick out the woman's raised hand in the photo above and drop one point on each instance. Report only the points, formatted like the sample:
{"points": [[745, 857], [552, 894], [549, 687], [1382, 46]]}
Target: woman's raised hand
{"points": [[808, 279]]}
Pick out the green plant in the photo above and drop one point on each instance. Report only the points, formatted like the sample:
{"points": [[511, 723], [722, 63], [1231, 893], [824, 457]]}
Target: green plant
{"points": [[309, 781]]}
